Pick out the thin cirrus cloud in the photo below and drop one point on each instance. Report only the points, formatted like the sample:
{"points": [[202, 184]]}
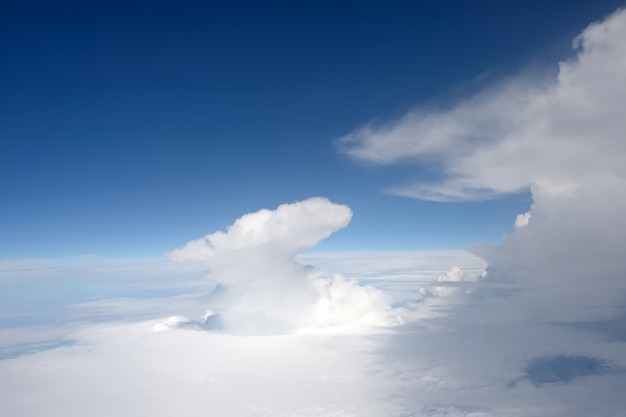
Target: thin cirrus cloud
{"points": [[519, 132]]}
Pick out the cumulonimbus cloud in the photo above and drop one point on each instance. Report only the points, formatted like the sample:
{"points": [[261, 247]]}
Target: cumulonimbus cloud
{"points": [[564, 141], [261, 286]]}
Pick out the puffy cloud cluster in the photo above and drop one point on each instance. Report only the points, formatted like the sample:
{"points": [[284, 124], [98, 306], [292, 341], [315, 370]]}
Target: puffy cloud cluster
{"points": [[261, 288], [568, 251], [454, 274]]}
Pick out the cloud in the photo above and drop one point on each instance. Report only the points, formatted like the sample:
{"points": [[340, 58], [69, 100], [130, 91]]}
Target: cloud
{"points": [[34, 291], [454, 274], [518, 133], [261, 288], [569, 250], [290, 229], [559, 271], [126, 369], [564, 140], [522, 220], [414, 265]]}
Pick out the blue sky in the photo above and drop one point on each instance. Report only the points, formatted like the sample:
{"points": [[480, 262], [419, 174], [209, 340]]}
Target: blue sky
{"points": [[129, 128]]}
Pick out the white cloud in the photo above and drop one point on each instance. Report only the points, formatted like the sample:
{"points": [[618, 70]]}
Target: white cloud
{"points": [[291, 228], [518, 134], [522, 220], [454, 274], [126, 369], [571, 250], [263, 290], [564, 140]]}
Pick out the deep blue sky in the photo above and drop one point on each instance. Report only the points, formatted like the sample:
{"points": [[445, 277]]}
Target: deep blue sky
{"points": [[128, 128]]}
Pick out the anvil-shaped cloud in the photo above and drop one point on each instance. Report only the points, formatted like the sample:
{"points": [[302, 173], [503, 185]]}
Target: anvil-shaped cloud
{"points": [[260, 286], [286, 231]]}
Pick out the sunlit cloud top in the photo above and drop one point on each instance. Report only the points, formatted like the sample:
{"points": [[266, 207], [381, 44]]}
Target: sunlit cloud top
{"points": [[292, 227]]}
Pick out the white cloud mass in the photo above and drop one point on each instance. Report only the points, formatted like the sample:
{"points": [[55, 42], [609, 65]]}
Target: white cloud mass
{"points": [[262, 289], [565, 140], [290, 229], [518, 134]]}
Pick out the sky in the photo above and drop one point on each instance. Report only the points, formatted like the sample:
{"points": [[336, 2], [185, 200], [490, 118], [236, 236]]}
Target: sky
{"points": [[129, 126], [313, 209]]}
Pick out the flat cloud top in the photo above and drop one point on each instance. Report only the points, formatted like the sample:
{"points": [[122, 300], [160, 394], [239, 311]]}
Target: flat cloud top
{"points": [[293, 227]]}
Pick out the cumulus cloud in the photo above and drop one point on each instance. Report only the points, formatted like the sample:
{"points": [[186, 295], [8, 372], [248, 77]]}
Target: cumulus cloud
{"points": [[261, 288], [454, 274], [522, 220], [568, 255], [518, 133]]}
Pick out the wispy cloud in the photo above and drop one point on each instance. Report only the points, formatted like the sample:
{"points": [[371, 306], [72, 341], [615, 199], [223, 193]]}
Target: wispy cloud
{"points": [[517, 133]]}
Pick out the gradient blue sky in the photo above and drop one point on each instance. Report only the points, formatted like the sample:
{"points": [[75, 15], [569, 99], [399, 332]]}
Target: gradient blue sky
{"points": [[129, 128]]}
